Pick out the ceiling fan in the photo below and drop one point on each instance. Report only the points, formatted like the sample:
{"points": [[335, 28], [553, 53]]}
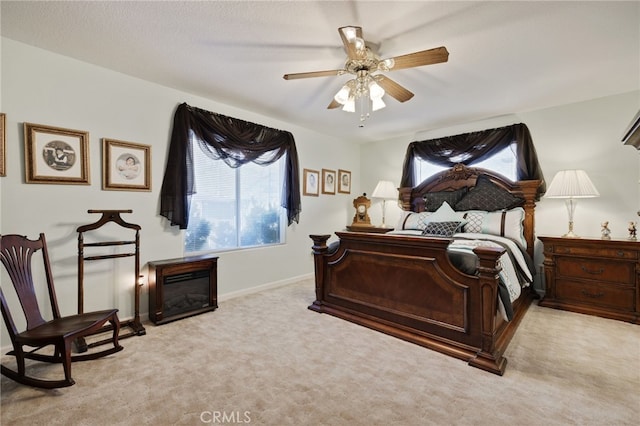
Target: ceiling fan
{"points": [[366, 88]]}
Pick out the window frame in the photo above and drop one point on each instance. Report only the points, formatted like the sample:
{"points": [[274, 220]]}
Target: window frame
{"points": [[237, 203]]}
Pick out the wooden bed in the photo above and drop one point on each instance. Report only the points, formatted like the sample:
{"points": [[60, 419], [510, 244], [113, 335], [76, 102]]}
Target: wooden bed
{"points": [[407, 287]]}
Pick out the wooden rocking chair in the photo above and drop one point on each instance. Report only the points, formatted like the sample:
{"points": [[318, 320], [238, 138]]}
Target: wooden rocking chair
{"points": [[16, 252]]}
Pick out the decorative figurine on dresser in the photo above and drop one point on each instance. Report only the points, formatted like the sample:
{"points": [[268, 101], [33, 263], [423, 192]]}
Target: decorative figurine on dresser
{"points": [[632, 231], [593, 276], [606, 232]]}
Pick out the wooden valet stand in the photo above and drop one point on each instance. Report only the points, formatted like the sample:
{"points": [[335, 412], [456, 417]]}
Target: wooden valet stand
{"points": [[109, 216]]}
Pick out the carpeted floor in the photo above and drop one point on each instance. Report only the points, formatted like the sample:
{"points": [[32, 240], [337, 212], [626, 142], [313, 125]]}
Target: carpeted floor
{"points": [[265, 359]]}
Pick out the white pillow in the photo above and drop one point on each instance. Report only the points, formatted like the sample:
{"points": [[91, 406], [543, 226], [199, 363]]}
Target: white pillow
{"points": [[446, 214], [412, 220], [419, 221], [507, 223]]}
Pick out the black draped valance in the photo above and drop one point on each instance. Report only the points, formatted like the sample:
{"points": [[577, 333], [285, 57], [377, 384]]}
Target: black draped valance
{"points": [[233, 141], [471, 147]]}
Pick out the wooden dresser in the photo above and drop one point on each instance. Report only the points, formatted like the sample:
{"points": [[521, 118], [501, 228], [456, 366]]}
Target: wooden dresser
{"points": [[593, 276]]}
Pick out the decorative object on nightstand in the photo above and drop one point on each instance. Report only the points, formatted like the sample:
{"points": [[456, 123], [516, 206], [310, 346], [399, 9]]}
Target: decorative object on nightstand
{"points": [[593, 276], [571, 184], [361, 217], [606, 232], [632, 231], [387, 191]]}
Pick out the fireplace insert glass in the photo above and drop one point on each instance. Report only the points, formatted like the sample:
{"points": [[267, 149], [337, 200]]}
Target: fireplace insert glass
{"points": [[185, 292]]}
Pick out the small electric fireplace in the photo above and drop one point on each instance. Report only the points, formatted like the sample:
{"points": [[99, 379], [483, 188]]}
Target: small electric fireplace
{"points": [[182, 287]]}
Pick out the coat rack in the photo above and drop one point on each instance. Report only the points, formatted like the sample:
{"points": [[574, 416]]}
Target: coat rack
{"points": [[110, 216]]}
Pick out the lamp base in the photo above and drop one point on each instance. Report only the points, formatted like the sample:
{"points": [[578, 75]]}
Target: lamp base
{"points": [[570, 234]]}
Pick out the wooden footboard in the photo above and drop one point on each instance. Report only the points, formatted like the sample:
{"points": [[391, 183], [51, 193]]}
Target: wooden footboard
{"points": [[407, 287]]}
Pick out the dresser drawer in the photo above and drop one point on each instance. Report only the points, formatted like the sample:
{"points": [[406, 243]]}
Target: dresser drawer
{"points": [[594, 269], [612, 296], [614, 253]]}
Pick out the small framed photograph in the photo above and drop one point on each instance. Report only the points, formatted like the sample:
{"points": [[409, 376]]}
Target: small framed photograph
{"points": [[328, 181], [311, 182], [344, 182], [126, 166], [56, 155], [3, 134]]}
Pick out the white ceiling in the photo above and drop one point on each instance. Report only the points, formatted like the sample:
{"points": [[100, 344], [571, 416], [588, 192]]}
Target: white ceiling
{"points": [[504, 57]]}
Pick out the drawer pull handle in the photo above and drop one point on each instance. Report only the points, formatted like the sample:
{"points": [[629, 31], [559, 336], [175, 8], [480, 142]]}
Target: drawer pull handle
{"points": [[592, 295], [621, 253], [592, 272]]}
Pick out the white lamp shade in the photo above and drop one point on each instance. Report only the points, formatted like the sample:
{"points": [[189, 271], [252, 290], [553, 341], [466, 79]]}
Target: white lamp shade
{"points": [[386, 190], [571, 184], [343, 95], [375, 90], [377, 104], [350, 105]]}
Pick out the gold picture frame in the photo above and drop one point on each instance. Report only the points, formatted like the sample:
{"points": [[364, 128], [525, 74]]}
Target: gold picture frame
{"points": [[126, 166], [311, 182], [328, 181], [56, 155], [3, 134], [344, 181]]}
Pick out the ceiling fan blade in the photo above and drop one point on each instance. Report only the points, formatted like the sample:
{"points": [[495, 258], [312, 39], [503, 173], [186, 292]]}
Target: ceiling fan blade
{"points": [[393, 89], [312, 74], [350, 46], [418, 59], [334, 104]]}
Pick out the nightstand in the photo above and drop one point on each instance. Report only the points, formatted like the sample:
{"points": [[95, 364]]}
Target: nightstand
{"points": [[364, 228], [593, 276]]}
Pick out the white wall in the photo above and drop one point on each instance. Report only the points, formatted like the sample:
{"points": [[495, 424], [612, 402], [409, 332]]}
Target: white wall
{"points": [[585, 135], [45, 88]]}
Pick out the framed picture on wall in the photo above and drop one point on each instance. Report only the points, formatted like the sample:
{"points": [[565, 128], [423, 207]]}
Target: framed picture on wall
{"points": [[344, 182], [3, 161], [311, 183], [126, 166], [56, 155], [328, 181]]}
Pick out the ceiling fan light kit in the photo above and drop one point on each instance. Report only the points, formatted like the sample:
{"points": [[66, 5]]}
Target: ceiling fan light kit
{"points": [[365, 91]]}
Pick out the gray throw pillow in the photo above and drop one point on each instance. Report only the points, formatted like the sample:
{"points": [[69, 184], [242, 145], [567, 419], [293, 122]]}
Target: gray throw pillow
{"points": [[488, 196], [433, 200], [442, 229]]}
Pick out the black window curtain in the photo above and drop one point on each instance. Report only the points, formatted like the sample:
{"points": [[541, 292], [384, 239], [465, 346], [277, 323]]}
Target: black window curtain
{"points": [[236, 142], [475, 146]]}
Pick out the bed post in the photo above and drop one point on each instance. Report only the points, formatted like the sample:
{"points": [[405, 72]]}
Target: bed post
{"points": [[529, 190], [319, 249], [489, 358]]}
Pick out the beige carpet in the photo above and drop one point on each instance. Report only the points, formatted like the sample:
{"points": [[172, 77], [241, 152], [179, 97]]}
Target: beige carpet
{"points": [[265, 359]]}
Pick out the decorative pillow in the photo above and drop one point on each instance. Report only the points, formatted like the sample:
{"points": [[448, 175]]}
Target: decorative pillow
{"points": [[487, 196], [446, 214], [442, 229], [420, 220], [433, 200], [414, 221], [507, 223]]}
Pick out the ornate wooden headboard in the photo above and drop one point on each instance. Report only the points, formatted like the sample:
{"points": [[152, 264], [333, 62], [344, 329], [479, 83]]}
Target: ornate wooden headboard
{"points": [[460, 176]]}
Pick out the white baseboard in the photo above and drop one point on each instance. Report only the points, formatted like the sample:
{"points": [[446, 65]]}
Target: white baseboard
{"points": [[263, 287]]}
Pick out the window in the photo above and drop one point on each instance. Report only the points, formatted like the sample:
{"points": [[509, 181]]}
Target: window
{"points": [[503, 162], [234, 207]]}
